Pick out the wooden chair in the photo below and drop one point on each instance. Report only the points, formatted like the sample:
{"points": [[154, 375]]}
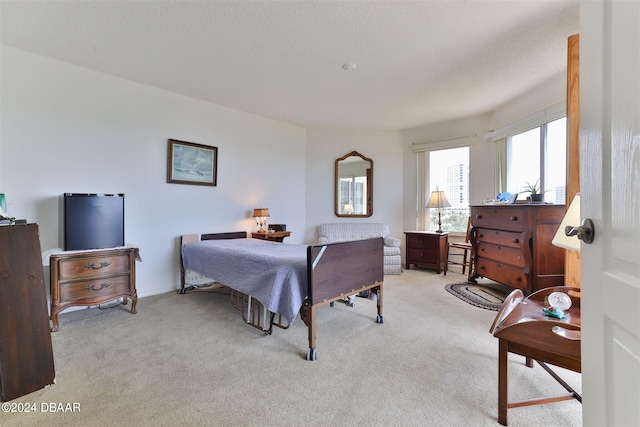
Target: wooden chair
{"points": [[462, 249]]}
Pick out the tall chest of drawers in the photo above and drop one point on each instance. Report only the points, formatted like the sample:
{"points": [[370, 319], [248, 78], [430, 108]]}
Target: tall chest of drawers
{"points": [[92, 277], [512, 245], [26, 352]]}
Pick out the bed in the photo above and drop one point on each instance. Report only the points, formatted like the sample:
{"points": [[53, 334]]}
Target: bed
{"points": [[272, 282]]}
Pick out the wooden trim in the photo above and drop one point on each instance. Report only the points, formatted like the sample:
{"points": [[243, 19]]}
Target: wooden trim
{"points": [[572, 260]]}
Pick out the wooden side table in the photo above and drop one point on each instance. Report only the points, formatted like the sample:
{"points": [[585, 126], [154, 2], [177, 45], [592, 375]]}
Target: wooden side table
{"points": [[87, 278], [427, 249], [522, 328], [276, 236]]}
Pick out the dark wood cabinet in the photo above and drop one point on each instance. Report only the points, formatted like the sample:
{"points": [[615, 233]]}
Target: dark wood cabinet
{"points": [[26, 354], [512, 245], [92, 277], [426, 249]]}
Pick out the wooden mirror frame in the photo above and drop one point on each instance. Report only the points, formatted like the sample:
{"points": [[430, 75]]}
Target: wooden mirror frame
{"points": [[369, 187]]}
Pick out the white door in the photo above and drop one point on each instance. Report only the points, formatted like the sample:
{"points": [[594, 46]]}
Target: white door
{"points": [[610, 188]]}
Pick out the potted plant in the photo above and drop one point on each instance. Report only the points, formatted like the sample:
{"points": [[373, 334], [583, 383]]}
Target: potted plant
{"points": [[534, 189]]}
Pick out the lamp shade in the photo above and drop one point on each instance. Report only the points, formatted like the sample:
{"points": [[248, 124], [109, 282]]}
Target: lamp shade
{"points": [[438, 200], [572, 219], [260, 212]]}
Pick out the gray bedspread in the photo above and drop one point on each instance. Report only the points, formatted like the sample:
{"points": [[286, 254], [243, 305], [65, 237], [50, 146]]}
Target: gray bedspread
{"points": [[274, 273]]}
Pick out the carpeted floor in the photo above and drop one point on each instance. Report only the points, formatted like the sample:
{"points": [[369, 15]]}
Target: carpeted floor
{"points": [[189, 360], [489, 296]]}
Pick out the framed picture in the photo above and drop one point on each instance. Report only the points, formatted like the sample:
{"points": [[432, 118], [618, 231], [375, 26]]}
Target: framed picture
{"points": [[189, 163]]}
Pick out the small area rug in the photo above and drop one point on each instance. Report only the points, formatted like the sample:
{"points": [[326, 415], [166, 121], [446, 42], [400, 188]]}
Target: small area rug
{"points": [[489, 296]]}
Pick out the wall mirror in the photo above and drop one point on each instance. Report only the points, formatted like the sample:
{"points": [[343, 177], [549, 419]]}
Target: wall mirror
{"points": [[354, 186]]}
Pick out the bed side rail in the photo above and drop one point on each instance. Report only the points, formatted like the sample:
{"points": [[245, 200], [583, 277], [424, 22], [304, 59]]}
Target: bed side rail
{"points": [[343, 268]]}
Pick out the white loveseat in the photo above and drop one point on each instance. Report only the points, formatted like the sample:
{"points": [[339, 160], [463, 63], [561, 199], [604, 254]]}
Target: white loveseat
{"points": [[345, 231]]}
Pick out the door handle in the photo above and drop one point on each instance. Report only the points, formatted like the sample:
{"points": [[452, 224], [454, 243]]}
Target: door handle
{"points": [[585, 232]]}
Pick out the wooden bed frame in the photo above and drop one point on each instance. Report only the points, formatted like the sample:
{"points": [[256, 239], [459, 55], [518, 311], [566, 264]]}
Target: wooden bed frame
{"points": [[334, 271]]}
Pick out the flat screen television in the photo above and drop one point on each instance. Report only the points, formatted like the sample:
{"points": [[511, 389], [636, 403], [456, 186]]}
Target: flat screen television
{"points": [[93, 221]]}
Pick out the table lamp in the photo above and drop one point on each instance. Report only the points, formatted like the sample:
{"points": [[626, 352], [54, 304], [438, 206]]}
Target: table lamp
{"points": [[438, 201], [261, 215], [569, 234]]}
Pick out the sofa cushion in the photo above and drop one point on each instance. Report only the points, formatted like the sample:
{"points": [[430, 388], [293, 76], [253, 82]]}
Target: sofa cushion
{"points": [[392, 241], [346, 231], [342, 232]]}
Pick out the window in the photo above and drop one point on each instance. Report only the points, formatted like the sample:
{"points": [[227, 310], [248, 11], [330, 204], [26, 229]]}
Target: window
{"points": [[448, 170], [353, 193], [538, 155]]}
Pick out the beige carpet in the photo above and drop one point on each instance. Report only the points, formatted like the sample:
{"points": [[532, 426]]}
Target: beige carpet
{"points": [[189, 360]]}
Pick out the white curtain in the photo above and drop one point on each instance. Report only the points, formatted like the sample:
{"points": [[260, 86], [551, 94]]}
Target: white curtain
{"points": [[501, 165], [422, 159]]}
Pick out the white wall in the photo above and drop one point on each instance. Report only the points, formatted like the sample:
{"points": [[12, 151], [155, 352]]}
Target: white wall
{"points": [[69, 129], [324, 146], [545, 94]]}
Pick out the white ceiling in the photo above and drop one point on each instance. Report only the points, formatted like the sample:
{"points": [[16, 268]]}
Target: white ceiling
{"points": [[418, 62]]}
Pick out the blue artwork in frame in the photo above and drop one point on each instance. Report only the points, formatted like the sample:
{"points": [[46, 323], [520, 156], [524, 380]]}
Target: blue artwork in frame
{"points": [[190, 163]]}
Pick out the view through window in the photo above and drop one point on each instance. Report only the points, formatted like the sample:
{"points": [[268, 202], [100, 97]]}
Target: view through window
{"points": [[539, 156], [449, 171]]}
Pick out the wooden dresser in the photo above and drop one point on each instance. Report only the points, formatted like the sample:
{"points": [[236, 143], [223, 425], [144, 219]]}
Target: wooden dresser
{"points": [[26, 353], [92, 277], [512, 245], [427, 249]]}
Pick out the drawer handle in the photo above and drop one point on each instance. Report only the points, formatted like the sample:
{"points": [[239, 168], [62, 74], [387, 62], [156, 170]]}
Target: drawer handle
{"points": [[513, 218], [93, 288], [480, 235], [92, 265], [516, 240], [518, 279], [478, 216]]}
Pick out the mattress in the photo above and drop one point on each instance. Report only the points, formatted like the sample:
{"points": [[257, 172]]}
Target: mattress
{"points": [[273, 273]]}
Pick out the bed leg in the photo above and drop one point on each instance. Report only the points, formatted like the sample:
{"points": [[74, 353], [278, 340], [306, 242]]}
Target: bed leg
{"points": [[308, 314], [379, 319], [270, 331]]}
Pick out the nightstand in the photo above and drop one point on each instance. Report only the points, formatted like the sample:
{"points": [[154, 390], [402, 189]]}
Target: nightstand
{"points": [[276, 236], [427, 249], [92, 277]]}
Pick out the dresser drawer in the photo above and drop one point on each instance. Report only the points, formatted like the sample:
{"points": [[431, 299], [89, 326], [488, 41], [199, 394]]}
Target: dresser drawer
{"points": [[500, 237], [502, 273], [503, 254], [422, 242], [92, 266], [418, 256], [502, 217], [93, 291]]}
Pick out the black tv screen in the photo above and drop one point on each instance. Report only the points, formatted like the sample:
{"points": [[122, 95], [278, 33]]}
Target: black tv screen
{"points": [[93, 221]]}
